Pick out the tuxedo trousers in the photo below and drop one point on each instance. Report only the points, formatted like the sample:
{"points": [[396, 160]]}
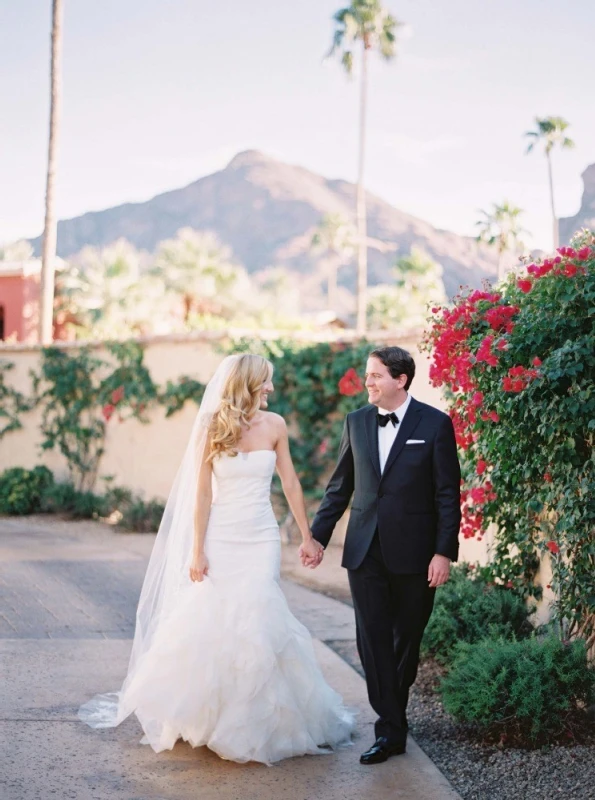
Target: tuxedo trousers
{"points": [[391, 613]]}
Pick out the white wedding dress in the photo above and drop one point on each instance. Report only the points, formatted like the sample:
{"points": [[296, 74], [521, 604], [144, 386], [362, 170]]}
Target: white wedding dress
{"points": [[230, 667]]}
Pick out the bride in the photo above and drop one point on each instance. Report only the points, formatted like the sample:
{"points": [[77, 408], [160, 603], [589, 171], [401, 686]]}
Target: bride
{"points": [[218, 659]]}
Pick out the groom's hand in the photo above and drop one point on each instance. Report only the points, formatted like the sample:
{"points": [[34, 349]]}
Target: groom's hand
{"points": [[311, 553], [438, 571]]}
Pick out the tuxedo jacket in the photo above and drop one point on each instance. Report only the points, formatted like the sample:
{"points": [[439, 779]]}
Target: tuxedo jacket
{"points": [[414, 503]]}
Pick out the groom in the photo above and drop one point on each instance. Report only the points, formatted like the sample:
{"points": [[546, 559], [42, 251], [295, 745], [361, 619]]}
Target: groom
{"points": [[398, 458]]}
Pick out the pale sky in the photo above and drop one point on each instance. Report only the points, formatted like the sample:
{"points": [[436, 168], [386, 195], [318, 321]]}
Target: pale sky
{"points": [[157, 94]]}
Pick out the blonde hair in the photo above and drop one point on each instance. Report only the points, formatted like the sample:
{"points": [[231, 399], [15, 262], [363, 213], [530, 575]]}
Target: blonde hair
{"points": [[240, 400]]}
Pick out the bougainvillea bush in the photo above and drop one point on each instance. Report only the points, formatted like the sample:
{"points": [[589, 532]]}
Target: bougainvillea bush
{"points": [[518, 367]]}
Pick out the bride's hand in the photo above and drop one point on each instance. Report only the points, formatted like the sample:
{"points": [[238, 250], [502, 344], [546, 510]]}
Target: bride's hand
{"points": [[199, 567], [311, 553]]}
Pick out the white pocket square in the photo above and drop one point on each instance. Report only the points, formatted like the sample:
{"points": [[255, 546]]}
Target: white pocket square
{"points": [[415, 441]]}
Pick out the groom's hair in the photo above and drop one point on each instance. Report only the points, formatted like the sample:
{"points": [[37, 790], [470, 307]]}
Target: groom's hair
{"points": [[398, 362]]}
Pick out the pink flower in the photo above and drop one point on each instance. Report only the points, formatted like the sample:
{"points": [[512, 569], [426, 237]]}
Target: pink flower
{"points": [[477, 399], [107, 411], [525, 285], [537, 362], [481, 467], [570, 270]]}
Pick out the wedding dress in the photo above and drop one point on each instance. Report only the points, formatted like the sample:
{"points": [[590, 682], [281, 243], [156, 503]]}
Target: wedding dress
{"points": [[228, 665]]}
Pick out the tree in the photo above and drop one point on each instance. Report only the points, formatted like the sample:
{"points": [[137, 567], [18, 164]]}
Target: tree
{"points": [[417, 285], [48, 253], [196, 266], [16, 251], [500, 228], [334, 236], [368, 22], [106, 294], [551, 131]]}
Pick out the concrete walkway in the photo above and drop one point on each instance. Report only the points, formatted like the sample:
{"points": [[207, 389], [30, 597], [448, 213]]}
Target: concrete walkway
{"points": [[68, 594]]}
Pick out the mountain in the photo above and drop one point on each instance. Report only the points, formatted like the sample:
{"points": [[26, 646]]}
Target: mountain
{"points": [[586, 215], [266, 212]]}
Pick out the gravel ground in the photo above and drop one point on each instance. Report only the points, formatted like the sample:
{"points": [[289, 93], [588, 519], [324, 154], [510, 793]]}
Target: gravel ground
{"points": [[487, 772]]}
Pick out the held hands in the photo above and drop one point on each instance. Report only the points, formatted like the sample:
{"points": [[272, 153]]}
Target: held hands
{"points": [[438, 571], [311, 553], [199, 567]]}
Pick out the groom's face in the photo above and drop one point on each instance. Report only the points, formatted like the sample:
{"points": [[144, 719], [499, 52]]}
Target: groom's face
{"points": [[384, 391]]}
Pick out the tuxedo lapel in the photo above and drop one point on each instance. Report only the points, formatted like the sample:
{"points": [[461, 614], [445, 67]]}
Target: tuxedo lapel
{"points": [[372, 437], [408, 425]]}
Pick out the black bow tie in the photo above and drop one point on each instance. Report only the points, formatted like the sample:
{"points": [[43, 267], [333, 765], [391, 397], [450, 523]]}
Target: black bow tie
{"points": [[384, 418]]}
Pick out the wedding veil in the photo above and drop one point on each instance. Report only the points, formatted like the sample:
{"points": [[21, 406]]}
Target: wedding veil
{"points": [[169, 564]]}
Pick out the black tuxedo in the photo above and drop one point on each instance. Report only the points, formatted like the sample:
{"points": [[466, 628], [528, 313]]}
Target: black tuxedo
{"points": [[399, 519]]}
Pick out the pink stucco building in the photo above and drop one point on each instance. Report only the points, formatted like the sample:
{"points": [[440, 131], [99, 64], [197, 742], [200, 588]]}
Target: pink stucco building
{"points": [[19, 300]]}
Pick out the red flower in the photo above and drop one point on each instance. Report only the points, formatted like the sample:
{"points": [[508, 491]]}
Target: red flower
{"points": [[350, 384], [477, 399], [323, 447], [570, 270], [547, 477], [525, 285], [507, 384], [117, 395], [107, 411], [553, 548], [537, 362], [481, 467], [584, 253]]}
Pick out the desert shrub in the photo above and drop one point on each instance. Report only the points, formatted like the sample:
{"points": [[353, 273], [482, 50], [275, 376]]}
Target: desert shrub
{"points": [[528, 691], [469, 608]]}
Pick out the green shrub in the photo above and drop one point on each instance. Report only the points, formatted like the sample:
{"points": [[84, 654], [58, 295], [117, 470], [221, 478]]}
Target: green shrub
{"points": [[21, 490], [141, 516], [25, 491], [467, 609], [526, 690]]}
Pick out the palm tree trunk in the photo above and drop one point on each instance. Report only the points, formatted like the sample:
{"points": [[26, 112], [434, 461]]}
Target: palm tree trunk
{"points": [[556, 237], [362, 245], [48, 253]]}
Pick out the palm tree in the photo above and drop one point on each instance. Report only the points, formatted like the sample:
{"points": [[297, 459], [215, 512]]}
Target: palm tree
{"points": [[500, 228], [550, 130], [334, 236], [48, 253], [368, 22], [197, 267]]}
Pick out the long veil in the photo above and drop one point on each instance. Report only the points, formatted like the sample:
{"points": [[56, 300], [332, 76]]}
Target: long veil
{"points": [[168, 569]]}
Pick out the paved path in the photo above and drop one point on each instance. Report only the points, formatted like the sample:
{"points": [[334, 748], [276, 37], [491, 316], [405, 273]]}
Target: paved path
{"points": [[68, 594]]}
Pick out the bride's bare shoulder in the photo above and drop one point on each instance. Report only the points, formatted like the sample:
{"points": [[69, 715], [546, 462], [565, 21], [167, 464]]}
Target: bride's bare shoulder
{"points": [[274, 420]]}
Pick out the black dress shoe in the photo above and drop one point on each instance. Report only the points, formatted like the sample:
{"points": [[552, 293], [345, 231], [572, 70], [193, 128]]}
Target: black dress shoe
{"points": [[381, 751]]}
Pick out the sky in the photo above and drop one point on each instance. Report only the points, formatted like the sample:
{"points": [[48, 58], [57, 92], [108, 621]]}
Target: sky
{"points": [[158, 94]]}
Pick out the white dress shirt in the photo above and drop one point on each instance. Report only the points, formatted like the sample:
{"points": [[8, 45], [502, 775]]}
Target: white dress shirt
{"points": [[388, 433]]}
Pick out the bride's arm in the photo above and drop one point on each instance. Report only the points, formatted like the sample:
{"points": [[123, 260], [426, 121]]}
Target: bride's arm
{"points": [[292, 490], [204, 497]]}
